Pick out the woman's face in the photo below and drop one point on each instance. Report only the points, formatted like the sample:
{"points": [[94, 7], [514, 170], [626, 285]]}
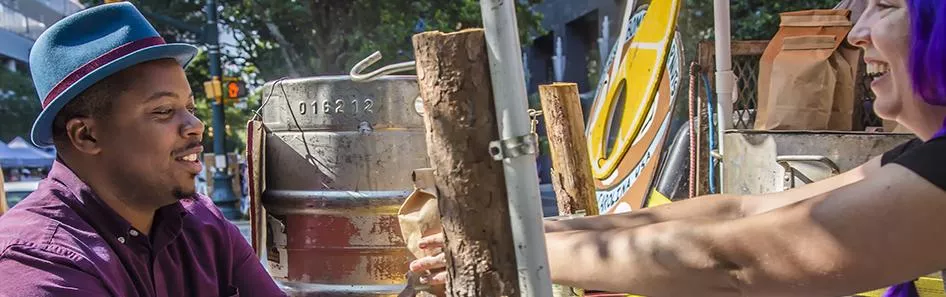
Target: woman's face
{"points": [[883, 31]]}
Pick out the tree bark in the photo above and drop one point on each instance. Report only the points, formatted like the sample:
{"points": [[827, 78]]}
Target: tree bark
{"points": [[571, 166], [454, 81]]}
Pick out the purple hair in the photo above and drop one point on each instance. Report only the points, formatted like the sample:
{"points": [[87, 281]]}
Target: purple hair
{"points": [[927, 48], [928, 51]]}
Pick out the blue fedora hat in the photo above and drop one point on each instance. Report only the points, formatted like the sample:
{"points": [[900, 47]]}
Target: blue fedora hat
{"points": [[88, 46]]}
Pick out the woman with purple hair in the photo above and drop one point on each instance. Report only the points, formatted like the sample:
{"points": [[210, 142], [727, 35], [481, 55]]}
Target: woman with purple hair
{"points": [[875, 226]]}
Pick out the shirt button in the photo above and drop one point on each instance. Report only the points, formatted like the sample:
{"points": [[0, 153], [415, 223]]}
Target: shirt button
{"points": [[121, 239], [133, 232]]}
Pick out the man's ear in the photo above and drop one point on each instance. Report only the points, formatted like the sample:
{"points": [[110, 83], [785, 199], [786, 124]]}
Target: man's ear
{"points": [[82, 135]]}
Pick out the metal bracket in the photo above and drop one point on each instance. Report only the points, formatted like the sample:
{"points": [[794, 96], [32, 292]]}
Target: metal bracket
{"points": [[514, 147], [791, 173]]}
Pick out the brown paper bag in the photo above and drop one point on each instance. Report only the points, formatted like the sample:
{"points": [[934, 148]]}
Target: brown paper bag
{"points": [[806, 74], [419, 215], [802, 87], [842, 109]]}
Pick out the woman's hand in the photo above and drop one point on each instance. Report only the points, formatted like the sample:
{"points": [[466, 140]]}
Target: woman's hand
{"points": [[433, 267]]}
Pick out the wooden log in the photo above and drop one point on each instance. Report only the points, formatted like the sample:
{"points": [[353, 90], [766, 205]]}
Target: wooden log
{"points": [[459, 114], [3, 194], [571, 166]]}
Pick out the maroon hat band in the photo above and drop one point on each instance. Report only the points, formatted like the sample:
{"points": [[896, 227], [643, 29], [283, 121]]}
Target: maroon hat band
{"points": [[105, 58]]}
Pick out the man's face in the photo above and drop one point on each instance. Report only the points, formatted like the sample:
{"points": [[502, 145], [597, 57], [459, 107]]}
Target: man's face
{"points": [[151, 141]]}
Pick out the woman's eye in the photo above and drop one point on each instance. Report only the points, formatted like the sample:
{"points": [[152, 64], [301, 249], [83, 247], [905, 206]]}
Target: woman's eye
{"points": [[884, 5]]}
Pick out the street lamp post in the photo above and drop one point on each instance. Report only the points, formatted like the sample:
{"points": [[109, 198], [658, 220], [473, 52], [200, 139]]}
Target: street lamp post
{"points": [[222, 194]]}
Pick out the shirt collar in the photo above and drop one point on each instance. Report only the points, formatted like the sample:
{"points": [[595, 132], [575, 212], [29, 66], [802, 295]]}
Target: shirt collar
{"points": [[167, 221]]}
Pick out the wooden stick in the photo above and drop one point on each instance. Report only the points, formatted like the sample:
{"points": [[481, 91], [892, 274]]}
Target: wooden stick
{"points": [[454, 81], [3, 194], [571, 166]]}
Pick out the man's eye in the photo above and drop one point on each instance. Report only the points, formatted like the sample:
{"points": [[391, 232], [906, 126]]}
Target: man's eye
{"points": [[164, 111]]}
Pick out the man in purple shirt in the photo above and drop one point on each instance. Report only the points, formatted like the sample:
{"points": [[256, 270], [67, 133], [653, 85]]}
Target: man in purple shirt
{"points": [[118, 214]]}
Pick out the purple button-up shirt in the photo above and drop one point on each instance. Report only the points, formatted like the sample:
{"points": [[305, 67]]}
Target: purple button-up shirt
{"points": [[63, 240]]}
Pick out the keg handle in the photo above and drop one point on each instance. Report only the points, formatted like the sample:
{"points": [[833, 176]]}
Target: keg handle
{"points": [[357, 76], [791, 172]]}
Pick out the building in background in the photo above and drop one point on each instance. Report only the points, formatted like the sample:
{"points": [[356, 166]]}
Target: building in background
{"points": [[578, 34], [22, 21], [574, 32]]}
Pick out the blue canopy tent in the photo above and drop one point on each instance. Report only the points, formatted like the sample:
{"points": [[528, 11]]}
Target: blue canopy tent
{"points": [[19, 153]]}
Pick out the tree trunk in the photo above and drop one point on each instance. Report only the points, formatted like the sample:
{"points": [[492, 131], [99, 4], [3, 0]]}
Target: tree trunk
{"points": [[571, 167], [454, 81]]}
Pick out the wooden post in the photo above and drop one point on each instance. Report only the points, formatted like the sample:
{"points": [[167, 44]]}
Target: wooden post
{"points": [[3, 194], [571, 166], [459, 114]]}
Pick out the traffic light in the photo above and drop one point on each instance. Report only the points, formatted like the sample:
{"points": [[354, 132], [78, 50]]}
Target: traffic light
{"points": [[233, 90], [213, 90], [229, 91]]}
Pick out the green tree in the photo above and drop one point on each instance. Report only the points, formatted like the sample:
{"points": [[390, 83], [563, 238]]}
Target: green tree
{"points": [[19, 105], [280, 38], [318, 37], [750, 19]]}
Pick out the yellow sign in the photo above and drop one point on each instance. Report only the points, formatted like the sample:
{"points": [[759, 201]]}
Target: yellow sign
{"points": [[634, 81], [631, 113], [925, 286]]}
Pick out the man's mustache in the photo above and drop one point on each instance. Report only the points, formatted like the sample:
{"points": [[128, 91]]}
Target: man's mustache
{"points": [[189, 146]]}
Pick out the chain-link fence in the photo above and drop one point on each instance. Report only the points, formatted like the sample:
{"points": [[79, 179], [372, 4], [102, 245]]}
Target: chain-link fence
{"points": [[746, 69]]}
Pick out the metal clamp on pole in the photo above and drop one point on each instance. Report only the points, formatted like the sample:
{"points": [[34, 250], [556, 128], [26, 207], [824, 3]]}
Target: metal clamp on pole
{"points": [[374, 58], [514, 147]]}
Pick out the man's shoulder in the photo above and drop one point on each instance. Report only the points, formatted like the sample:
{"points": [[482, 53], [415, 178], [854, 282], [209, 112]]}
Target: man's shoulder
{"points": [[36, 217], [43, 221]]}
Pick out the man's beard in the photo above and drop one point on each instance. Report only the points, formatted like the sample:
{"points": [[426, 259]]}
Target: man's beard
{"points": [[144, 192], [180, 194]]}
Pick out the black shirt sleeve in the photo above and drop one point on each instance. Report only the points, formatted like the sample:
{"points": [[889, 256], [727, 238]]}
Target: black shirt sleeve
{"points": [[899, 150], [927, 160]]}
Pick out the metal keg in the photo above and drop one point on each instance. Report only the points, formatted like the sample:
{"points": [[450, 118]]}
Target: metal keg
{"points": [[339, 155]]}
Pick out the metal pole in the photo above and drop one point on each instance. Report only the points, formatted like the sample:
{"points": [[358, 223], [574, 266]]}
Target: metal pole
{"points": [[522, 179], [725, 78], [222, 195]]}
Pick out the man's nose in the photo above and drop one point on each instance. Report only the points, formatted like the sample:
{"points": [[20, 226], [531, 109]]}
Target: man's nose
{"points": [[192, 126]]}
